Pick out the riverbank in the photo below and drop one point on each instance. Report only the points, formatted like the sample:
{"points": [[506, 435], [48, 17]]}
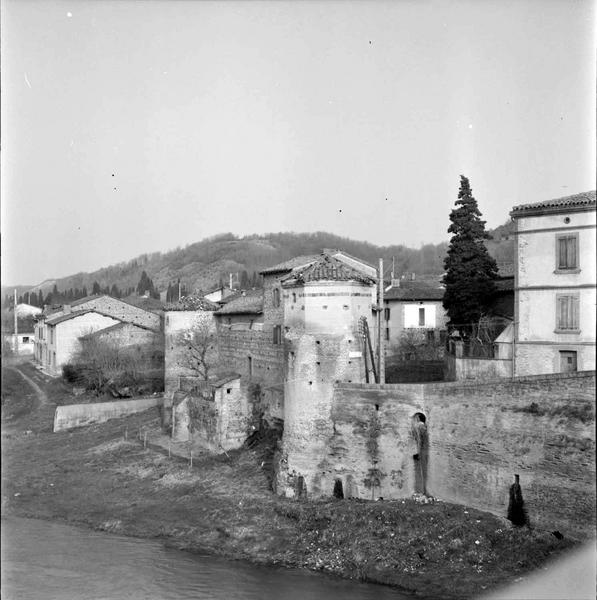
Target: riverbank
{"points": [[222, 505]]}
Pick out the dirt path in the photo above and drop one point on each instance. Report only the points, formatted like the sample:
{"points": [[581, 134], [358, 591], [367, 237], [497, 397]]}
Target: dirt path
{"points": [[41, 395]]}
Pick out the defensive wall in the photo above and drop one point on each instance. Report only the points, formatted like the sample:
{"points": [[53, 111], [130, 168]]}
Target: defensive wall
{"points": [[478, 436]]}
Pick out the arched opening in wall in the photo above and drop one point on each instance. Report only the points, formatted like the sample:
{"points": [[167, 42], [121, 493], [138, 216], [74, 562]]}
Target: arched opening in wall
{"points": [[420, 439], [338, 489]]}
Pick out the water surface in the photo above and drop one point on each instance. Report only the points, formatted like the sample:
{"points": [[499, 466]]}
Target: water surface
{"points": [[48, 560]]}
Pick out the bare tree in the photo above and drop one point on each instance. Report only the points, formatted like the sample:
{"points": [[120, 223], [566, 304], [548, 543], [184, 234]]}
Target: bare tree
{"points": [[199, 344]]}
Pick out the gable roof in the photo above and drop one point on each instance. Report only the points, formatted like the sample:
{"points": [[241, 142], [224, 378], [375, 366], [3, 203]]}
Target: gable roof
{"points": [[327, 268], [77, 313], [576, 202], [414, 290], [249, 303], [288, 265]]}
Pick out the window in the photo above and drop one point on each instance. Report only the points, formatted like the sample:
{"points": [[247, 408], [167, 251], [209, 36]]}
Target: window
{"points": [[430, 336], [386, 313], [421, 317], [250, 366], [293, 297], [387, 333], [25, 339], [567, 252], [567, 312], [276, 297], [442, 336], [277, 334]]}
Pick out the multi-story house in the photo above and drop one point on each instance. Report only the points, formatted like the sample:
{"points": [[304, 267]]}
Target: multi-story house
{"points": [[413, 307], [57, 330], [554, 301]]}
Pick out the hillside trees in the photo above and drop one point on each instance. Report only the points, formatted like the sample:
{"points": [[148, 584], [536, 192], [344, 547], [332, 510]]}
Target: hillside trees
{"points": [[470, 270], [146, 285]]}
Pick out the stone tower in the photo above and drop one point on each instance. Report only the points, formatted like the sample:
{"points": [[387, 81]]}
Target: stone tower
{"points": [[323, 303]]}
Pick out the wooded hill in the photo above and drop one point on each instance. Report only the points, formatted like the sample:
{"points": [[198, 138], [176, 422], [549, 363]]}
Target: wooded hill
{"points": [[203, 265]]}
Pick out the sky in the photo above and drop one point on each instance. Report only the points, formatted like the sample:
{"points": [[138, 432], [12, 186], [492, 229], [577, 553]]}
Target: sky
{"points": [[139, 126]]}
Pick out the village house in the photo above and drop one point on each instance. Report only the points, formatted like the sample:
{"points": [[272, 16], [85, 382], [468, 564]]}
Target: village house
{"points": [[58, 329], [554, 319], [413, 307]]}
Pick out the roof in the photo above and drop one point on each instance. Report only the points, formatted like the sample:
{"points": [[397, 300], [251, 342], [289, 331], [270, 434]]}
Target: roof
{"points": [[327, 268], [414, 290], [77, 313], [223, 379], [293, 263], [191, 302], [576, 202], [340, 254], [249, 303]]}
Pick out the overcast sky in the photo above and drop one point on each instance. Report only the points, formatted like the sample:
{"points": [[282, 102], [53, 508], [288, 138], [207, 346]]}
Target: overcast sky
{"points": [[132, 127]]}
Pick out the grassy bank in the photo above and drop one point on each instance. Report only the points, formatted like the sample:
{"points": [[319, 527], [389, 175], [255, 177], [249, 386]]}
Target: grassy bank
{"points": [[93, 476]]}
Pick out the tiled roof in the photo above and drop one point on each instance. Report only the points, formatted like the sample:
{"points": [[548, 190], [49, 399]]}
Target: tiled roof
{"points": [[327, 268], [191, 302], [76, 313], [575, 202], [251, 303], [288, 265], [414, 290]]}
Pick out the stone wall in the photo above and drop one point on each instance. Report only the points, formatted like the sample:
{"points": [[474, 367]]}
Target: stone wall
{"points": [[80, 415], [236, 347], [218, 421], [479, 436]]}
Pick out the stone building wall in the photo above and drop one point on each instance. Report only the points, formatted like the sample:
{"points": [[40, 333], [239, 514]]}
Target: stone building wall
{"points": [[479, 436], [217, 424]]}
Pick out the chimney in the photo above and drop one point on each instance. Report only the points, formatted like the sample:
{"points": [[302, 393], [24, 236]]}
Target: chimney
{"points": [[67, 309]]}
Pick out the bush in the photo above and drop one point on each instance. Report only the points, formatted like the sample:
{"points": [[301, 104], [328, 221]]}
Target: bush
{"points": [[72, 373]]}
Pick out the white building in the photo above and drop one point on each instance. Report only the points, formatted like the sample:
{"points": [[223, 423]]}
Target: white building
{"points": [[554, 297]]}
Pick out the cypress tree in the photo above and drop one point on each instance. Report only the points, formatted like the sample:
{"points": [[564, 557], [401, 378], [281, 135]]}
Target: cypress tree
{"points": [[470, 271]]}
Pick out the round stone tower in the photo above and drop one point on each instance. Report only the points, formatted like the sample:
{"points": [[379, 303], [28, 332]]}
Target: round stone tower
{"points": [[323, 304]]}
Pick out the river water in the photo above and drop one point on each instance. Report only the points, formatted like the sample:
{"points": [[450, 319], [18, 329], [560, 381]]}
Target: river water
{"points": [[47, 560]]}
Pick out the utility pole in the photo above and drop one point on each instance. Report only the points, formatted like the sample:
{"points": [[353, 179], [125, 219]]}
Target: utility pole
{"points": [[179, 290], [16, 344], [380, 337]]}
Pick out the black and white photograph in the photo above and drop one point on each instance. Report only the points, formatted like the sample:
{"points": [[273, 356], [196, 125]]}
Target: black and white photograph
{"points": [[298, 299]]}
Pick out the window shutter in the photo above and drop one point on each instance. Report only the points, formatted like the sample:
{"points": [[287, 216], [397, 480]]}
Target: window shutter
{"points": [[574, 321], [561, 313], [561, 253], [571, 253]]}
